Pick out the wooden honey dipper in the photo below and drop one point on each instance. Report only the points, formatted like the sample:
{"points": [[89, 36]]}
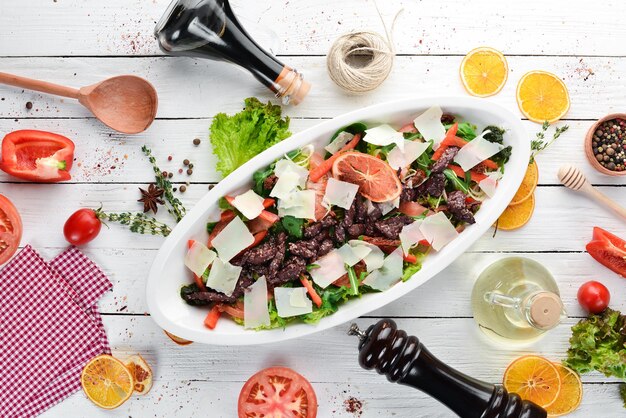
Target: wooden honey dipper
{"points": [[574, 179]]}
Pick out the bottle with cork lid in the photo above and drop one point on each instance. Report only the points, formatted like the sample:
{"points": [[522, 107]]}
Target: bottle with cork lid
{"points": [[209, 29], [516, 300]]}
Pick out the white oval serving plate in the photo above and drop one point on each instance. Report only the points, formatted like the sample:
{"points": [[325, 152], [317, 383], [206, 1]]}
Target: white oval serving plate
{"points": [[168, 272]]}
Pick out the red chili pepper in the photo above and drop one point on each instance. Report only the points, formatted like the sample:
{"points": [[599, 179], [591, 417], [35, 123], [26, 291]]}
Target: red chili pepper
{"points": [[37, 156]]}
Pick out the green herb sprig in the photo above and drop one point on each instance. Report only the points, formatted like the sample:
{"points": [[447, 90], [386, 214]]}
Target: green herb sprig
{"points": [[539, 143], [174, 207], [137, 222]]}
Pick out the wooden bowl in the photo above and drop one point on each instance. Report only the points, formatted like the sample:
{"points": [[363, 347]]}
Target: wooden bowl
{"points": [[589, 149]]}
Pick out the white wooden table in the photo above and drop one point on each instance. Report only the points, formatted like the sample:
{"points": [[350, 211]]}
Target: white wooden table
{"points": [[78, 42]]}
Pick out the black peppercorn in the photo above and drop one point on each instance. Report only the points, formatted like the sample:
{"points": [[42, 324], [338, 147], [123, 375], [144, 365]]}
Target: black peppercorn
{"points": [[196, 141]]}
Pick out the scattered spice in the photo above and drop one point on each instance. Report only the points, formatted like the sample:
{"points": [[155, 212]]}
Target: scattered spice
{"points": [[609, 143], [189, 171], [174, 206], [151, 198], [169, 158], [180, 171], [196, 141], [190, 165], [183, 188], [354, 406], [29, 105], [185, 162], [164, 174], [170, 175]]}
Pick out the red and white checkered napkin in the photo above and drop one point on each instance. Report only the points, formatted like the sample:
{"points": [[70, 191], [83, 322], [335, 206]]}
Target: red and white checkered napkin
{"points": [[49, 328]]}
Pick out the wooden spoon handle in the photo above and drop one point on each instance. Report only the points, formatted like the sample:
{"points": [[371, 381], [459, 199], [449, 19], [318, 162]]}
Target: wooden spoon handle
{"points": [[43, 86], [602, 199]]}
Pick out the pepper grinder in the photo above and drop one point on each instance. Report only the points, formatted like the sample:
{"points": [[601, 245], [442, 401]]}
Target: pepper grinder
{"points": [[405, 360]]}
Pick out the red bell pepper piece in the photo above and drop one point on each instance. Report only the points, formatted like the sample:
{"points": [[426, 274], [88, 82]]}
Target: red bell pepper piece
{"points": [[212, 317], [317, 300], [37, 156], [477, 177], [443, 145], [326, 165]]}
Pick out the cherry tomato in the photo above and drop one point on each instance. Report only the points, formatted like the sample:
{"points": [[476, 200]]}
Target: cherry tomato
{"points": [[594, 297], [277, 392], [82, 227], [10, 229]]}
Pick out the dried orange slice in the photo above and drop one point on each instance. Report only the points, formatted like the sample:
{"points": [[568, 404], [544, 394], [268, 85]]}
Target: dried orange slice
{"points": [[484, 71], [142, 373], [533, 378], [376, 179], [542, 96], [177, 340], [528, 186], [571, 392], [518, 215], [107, 382]]}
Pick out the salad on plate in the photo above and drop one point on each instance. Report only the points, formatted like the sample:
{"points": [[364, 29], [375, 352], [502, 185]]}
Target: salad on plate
{"points": [[320, 227]]}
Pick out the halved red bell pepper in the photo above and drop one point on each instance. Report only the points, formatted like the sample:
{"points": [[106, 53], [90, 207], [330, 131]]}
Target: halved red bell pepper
{"points": [[609, 250], [37, 156]]}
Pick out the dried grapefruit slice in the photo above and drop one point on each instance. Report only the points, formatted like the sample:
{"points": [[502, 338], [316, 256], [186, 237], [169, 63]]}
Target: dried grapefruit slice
{"points": [[571, 392], [142, 373], [533, 378], [484, 71], [377, 181], [107, 382]]}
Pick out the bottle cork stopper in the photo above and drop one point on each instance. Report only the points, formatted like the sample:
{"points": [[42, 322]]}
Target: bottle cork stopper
{"points": [[545, 310], [291, 84]]}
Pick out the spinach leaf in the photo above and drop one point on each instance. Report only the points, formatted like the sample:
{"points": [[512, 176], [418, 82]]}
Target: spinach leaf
{"points": [[259, 177], [457, 183], [293, 226]]}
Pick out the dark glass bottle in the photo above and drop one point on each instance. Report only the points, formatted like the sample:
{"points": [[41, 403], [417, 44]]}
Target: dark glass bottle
{"points": [[403, 359], [209, 29]]}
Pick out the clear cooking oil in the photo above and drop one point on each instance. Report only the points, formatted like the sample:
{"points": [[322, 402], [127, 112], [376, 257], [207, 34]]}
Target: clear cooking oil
{"points": [[516, 300]]}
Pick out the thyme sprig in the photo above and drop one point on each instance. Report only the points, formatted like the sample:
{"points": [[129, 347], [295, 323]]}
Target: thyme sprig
{"points": [[137, 222], [174, 206], [539, 144]]}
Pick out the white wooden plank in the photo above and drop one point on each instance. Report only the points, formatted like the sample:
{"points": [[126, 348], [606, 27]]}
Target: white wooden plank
{"points": [[128, 270], [97, 150], [120, 27], [562, 220], [192, 88], [193, 398], [457, 342]]}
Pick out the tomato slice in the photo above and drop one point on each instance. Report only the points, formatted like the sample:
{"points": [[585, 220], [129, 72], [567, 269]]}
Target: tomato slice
{"points": [[277, 392], [10, 229]]}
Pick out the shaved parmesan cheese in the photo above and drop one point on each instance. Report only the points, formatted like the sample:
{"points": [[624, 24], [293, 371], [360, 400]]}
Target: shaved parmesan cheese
{"points": [[429, 125], [286, 183], [340, 193], [223, 277], [339, 142], [286, 165], [389, 274], [412, 150], [438, 230], [411, 235], [233, 239], [476, 151], [387, 207], [331, 267], [249, 204], [198, 258], [489, 183], [353, 254], [255, 311], [292, 301], [374, 259], [299, 204], [384, 135]]}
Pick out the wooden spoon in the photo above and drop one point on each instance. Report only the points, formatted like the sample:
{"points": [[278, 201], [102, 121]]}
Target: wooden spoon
{"points": [[573, 178], [126, 103]]}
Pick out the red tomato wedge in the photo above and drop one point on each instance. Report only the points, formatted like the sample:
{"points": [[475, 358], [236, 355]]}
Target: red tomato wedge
{"points": [[414, 209], [409, 127], [10, 229], [277, 392], [609, 250]]}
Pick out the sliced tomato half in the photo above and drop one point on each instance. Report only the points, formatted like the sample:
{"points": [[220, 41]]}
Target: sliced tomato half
{"points": [[277, 392], [10, 229]]}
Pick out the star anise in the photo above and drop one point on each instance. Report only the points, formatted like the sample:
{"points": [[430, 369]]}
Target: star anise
{"points": [[151, 198]]}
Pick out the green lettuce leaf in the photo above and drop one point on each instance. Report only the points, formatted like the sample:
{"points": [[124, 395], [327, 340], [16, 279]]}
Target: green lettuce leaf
{"points": [[236, 139], [599, 343]]}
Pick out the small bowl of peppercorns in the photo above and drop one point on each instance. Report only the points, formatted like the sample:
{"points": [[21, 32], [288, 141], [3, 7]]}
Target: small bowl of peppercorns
{"points": [[605, 145]]}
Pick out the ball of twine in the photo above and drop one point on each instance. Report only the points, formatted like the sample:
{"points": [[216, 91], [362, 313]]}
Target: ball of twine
{"points": [[359, 62]]}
